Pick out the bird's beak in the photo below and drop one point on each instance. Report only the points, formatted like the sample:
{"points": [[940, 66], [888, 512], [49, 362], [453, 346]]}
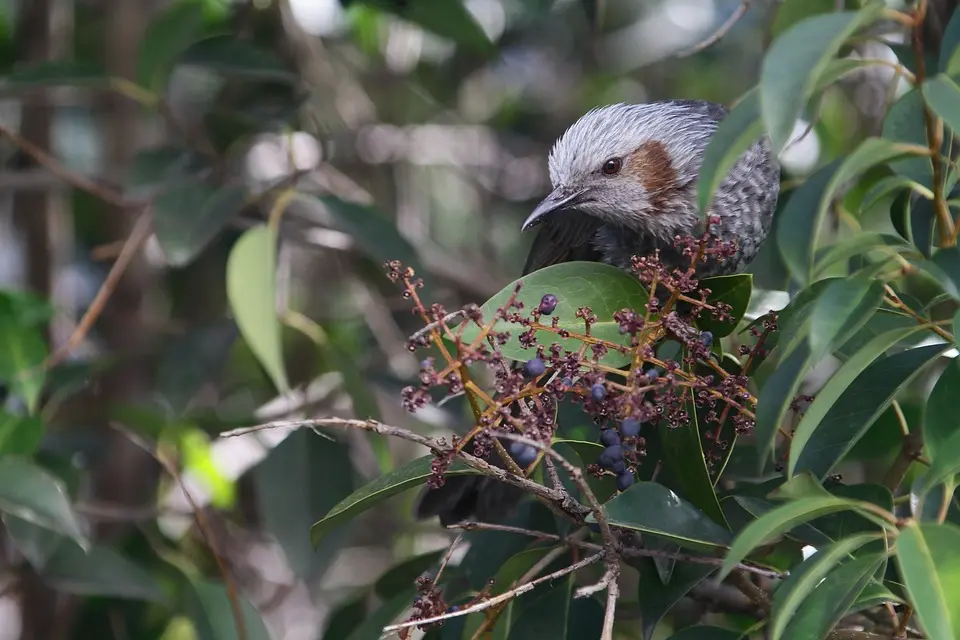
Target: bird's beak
{"points": [[560, 198]]}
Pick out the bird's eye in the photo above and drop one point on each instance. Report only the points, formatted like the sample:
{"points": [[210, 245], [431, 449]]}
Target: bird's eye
{"points": [[612, 166]]}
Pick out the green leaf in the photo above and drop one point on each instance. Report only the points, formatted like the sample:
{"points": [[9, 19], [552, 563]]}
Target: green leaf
{"points": [[795, 61], [347, 617], [904, 122], [683, 452], [603, 288], [943, 96], [212, 615], [19, 435], [657, 599], [804, 212], [780, 520], [303, 477], [841, 309], [775, 397], [447, 18], [233, 57], [653, 508], [192, 360], [948, 259], [36, 543], [706, 632], [33, 494], [161, 166], [167, 35], [57, 73], [735, 291], [412, 474], [797, 587], [832, 598], [734, 135], [546, 616], [100, 572], [25, 307], [385, 615], [928, 556], [832, 427], [863, 243], [400, 576], [22, 354], [941, 430], [187, 218], [252, 292], [949, 60]]}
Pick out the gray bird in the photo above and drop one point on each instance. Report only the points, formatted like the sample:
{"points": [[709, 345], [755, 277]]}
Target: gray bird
{"points": [[624, 183]]}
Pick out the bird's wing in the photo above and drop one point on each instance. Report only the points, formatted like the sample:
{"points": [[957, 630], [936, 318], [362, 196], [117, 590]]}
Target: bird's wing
{"points": [[565, 237]]}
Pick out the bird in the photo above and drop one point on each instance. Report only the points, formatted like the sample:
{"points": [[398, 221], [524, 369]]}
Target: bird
{"points": [[624, 184]]}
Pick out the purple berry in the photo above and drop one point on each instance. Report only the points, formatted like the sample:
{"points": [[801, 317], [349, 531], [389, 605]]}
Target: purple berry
{"points": [[598, 392], [453, 608], [625, 480], [523, 454], [426, 364], [651, 374], [609, 438], [706, 339], [613, 453], [618, 467], [547, 304], [567, 382], [534, 367], [630, 428]]}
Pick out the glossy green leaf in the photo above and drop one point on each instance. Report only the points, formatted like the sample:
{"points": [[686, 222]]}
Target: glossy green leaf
{"points": [[409, 475], [657, 599], [400, 576], [795, 61], [797, 587], [734, 135], [322, 472], [386, 614], [209, 608], [546, 616], [948, 259], [188, 217], [683, 452], [833, 598], [167, 35], [252, 292], [155, 168], [36, 543], [846, 523], [25, 307], [806, 209], [22, 354], [885, 188], [949, 60], [653, 508], [19, 435], [941, 428], [904, 122], [33, 494], [603, 288], [347, 617], [781, 519], [102, 571], [192, 360], [943, 96], [733, 290], [928, 556], [236, 58], [775, 397], [862, 243], [845, 419], [843, 307]]}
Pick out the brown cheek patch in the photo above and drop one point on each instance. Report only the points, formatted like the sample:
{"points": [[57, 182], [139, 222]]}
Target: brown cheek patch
{"points": [[651, 165]]}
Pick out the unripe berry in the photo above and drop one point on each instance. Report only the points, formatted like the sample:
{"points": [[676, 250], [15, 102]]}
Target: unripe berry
{"points": [[598, 392], [625, 480], [547, 304], [609, 438], [630, 427], [534, 367]]}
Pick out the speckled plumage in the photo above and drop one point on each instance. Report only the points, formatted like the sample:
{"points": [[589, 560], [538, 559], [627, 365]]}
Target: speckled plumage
{"points": [[611, 218]]}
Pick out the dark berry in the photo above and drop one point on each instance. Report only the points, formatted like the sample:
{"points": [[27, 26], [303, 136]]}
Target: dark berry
{"points": [[593, 526], [613, 453], [598, 392], [535, 367], [618, 467], [625, 480], [609, 438], [453, 608], [426, 364], [630, 428], [706, 339], [652, 374], [523, 454], [547, 304], [567, 382]]}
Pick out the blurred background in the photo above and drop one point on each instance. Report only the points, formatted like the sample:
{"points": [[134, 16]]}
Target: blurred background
{"points": [[428, 122]]}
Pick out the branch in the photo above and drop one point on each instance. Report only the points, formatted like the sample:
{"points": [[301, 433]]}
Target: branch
{"points": [[721, 31]]}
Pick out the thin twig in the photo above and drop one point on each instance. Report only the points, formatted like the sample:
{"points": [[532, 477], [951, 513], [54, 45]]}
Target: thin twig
{"points": [[720, 33], [436, 324], [503, 597], [446, 558], [609, 613], [202, 524]]}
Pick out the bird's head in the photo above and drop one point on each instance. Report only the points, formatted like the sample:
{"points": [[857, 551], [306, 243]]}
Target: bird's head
{"points": [[632, 165]]}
